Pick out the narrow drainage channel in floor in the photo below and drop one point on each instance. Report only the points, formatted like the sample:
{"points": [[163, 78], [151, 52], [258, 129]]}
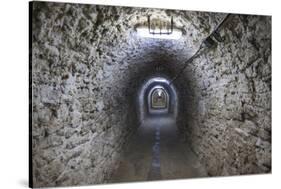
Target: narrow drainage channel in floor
{"points": [[155, 173]]}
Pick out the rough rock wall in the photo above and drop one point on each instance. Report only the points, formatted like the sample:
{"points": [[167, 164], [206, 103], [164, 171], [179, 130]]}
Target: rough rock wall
{"points": [[83, 111], [229, 106], [88, 63]]}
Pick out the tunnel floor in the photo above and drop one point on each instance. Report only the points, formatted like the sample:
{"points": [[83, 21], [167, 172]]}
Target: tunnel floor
{"points": [[155, 153]]}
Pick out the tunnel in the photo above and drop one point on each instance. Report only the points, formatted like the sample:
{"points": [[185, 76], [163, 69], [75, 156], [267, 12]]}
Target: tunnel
{"points": [[109, 105], [156, 97]]}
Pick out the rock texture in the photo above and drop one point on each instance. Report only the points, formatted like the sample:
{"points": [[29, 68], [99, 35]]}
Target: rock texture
{"points": [[88, 64], [229, 106]]}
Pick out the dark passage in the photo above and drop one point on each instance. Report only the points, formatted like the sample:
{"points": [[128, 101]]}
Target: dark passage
{"points": [[112, 104], [155, 171], [156, 152]]}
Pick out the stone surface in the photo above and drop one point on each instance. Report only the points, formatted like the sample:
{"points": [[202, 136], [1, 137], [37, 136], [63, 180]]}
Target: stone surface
{"points": [[229, 106], [157, 153], [88, 64]]}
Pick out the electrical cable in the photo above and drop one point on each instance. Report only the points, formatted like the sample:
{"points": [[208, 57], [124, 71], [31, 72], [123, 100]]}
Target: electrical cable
{"points": [[207, 42]]}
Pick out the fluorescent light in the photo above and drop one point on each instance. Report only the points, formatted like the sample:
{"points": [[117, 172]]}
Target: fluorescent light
{"points": [[144, 32]]}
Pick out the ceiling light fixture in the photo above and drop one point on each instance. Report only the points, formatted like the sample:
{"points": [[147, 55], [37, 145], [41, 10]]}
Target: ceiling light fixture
{"points": [[156, 28]]}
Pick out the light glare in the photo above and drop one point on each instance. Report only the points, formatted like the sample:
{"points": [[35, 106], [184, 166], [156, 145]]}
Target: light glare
{"points": [[144, 32]]}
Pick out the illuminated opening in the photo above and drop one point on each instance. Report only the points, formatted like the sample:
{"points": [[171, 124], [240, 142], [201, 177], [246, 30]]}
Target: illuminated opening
{"points": [[157, 28], [158, 99], [144, 32]]}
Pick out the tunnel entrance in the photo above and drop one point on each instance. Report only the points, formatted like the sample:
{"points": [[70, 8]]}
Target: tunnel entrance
{"points": [[156, 151], [159, 98], [156, 98]]}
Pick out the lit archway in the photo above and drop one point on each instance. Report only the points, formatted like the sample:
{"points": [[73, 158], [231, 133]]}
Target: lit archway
{"points": [[159, 99], [144, 100]]}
